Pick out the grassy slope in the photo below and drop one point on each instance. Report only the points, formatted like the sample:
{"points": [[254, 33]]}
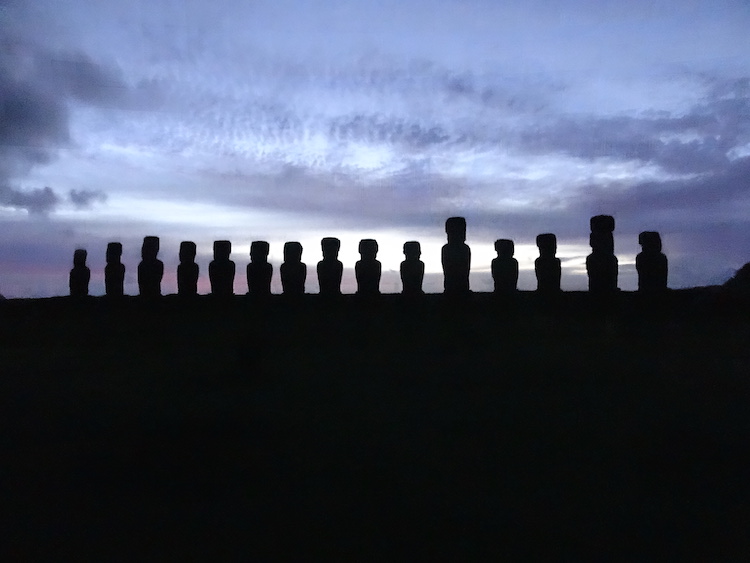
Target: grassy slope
{"points": [[483, 427]]}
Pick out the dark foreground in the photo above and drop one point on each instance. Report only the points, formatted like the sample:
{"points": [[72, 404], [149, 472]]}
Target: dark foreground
{"points": [[248, 430]]}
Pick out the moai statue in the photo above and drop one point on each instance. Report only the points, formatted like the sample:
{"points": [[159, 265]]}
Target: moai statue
{"points": [[330, 269], [547, 266], [601, 264], [456, 258], [187, 270], [651, 263], [114, 271], [259, 270], [293, 270], [412, 269], [368, 269], [150, 269], [505, 267], [79, 275], [221, 270]]}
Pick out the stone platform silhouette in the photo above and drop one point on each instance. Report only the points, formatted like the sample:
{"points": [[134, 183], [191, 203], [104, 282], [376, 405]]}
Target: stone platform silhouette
{"points": [[315, 427]]}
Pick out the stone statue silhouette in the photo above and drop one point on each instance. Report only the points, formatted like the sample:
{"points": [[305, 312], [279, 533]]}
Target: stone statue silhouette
{"points": [[80, 275], [114, 271], [221, 270], [187, 270], [456, 258], [293, 270], [259, 270], [651, 263], [412, 269], [368, 269], [505, 267], [330, 269], [601, 264], [547, 266], [150, 269]]}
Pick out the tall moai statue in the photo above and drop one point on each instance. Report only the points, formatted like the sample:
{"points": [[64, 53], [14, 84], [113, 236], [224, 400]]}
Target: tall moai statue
{"points": [[456, 258], [187, 270], [412, 269], [221, 270], [150, 269], [330, 269], [80, 275], [259, 270], [651, 263], [601, 264], [114, 271], [293, 270], [368, 269], [505, 267], [547, 266]]}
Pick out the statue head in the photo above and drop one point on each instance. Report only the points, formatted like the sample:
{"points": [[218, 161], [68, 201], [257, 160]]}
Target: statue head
{"points": [[412, 250], [455, 228], [504, 248], [547, 244], [222, 249], [292, 252], [187, 251], [368, 248], [330, 247], [259, 251]]}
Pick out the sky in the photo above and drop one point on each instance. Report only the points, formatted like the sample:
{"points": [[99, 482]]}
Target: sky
{"points": [[289, 120]]}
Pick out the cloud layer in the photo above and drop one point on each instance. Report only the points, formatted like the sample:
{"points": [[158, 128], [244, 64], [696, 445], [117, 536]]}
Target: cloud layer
{"points": [[387, 117]]}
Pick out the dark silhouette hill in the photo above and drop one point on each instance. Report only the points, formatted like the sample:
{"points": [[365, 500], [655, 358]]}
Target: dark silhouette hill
{"points": [[740, 281], [517, 426]]}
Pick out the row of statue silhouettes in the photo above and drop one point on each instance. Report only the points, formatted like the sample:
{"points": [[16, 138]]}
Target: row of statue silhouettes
{"points": [[221, 270], [601, 266]]}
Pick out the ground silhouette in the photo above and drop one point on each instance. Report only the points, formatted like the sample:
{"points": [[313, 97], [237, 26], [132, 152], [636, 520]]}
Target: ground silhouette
{"points": [[284, 428], [494, 426], [740, 281]]}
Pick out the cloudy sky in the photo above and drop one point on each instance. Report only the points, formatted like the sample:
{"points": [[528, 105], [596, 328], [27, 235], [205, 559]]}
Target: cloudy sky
{"points": [[292, 120]]}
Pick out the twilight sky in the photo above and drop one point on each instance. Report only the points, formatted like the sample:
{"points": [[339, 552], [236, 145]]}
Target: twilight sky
{"points": [[292, 120]]}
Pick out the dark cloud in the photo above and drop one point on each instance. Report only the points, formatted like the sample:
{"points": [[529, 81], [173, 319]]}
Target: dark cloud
{"points": [[485, 91], [429, 81], [83, 199], [413, 198], [377, 128], [32, 119], [702, 192], [36, 88], [709, 131], [344, 197], [81, 78], [36, 201]]}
